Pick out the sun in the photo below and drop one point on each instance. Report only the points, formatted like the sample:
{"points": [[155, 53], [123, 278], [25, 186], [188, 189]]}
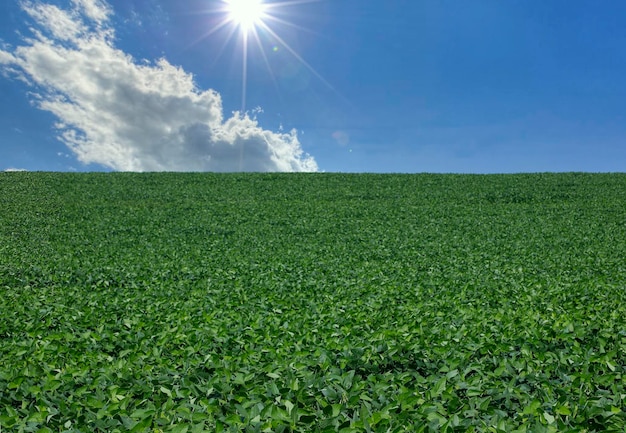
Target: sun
{"points": [[247, 14], [256, 22]]}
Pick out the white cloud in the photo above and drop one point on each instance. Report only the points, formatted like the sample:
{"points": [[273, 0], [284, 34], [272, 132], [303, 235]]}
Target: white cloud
{"points": [[15, 169], [134, 116], [6, 58], [61, 24], [96, 10]]}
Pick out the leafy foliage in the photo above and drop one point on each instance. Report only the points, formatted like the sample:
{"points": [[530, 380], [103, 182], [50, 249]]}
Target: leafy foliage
{"points": [[312, 302]]}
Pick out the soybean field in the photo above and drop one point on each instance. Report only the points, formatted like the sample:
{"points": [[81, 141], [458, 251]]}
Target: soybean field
{"points": [[169, 302]]}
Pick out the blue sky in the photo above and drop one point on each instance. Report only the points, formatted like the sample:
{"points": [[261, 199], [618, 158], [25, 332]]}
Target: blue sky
{"points": [[485, 86]]}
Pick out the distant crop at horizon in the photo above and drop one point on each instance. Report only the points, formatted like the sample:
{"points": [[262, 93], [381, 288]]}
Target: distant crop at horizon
{"points": [[312, 302]]}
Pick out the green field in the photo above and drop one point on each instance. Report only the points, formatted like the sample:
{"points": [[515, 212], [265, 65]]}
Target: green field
{"points": [[312, 302]]}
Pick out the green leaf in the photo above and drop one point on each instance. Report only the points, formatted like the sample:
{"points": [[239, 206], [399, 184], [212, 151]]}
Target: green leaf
{"points": [[142, 425], [288, 405], [532, 407], [563, 410], [440, 387], [142, 413]]}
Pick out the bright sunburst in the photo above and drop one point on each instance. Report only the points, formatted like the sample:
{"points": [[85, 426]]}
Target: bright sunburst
{"points": [[254, 20], [247, 14]]}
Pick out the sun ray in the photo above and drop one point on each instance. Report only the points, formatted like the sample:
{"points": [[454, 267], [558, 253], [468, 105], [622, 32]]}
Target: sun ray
{"points": [[259, 43], [290, 3], [286, 23], [255, 20], [217, 28], [297, 56], [244, 89], [222, 48]]}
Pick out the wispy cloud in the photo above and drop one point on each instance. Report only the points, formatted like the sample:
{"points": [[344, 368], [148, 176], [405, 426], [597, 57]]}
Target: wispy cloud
{"points": [[131, 115]]}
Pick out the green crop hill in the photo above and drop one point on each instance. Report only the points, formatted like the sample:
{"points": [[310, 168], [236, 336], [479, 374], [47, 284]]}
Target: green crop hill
{"points": [[312, 302]]}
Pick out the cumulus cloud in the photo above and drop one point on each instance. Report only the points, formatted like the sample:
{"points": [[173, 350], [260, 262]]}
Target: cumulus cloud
{"points": [[14, 169], [135, 116]]}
